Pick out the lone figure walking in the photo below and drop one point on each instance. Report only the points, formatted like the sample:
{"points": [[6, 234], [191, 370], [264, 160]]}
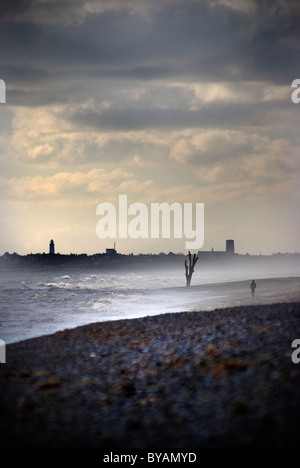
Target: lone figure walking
{"points": [[252, 287]]}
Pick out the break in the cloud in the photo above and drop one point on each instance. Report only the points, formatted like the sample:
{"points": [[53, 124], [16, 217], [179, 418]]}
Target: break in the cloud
{"points": [[164, 100]]}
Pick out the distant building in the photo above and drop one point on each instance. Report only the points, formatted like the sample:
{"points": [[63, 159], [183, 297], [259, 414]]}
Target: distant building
{"points": [[219, 254], [51, 247], [230, 246], [111, 251]]}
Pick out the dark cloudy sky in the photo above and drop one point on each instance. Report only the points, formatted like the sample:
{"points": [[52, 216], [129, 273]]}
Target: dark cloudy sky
{"points": [[178, 100]]}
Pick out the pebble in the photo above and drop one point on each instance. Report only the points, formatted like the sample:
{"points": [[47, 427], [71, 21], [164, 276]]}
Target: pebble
{"points": [[218, 379]]}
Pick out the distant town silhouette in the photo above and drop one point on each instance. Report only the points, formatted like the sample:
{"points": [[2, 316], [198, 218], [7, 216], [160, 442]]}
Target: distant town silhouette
{"points": [[112, 258]]}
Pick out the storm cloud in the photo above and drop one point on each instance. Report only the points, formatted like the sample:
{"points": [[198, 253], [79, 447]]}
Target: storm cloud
{"points": [[192, 94]]}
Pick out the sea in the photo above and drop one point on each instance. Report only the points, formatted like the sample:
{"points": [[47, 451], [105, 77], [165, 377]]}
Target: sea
{"points": [[38, 302]]}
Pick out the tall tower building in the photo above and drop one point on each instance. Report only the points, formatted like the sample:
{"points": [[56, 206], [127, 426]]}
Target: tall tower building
{"points": [[51, 247], [230, 246]]}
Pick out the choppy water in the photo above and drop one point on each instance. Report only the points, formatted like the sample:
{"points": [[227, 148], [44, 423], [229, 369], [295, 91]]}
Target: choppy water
{"points": [[34, 303], [39, 302]]}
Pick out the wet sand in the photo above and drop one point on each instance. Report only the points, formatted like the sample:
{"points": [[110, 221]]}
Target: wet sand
{"points": [[209, 378], [229, 294]]}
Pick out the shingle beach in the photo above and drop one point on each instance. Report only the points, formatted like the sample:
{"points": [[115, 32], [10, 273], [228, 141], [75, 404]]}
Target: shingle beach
{"points": [[221, 378]]}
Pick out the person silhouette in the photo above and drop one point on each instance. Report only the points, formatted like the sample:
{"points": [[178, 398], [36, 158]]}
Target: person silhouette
{"points": [[252, 287]]}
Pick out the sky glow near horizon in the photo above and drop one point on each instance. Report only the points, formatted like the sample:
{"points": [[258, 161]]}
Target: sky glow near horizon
{"points": [[163, 101]]}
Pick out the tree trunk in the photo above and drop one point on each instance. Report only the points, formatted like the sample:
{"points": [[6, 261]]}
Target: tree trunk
{"points": [[189, 269]]}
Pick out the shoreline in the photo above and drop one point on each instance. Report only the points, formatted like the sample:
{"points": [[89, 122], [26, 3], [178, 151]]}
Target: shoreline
{"points": [[189, 379], [206, 296]]}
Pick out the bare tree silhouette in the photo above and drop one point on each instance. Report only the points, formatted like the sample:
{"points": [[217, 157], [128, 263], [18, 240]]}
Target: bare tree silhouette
{"points": [[189, 269]]}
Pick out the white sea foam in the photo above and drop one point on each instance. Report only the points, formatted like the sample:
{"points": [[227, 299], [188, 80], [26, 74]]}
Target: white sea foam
{"points": [[38, 302]]}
